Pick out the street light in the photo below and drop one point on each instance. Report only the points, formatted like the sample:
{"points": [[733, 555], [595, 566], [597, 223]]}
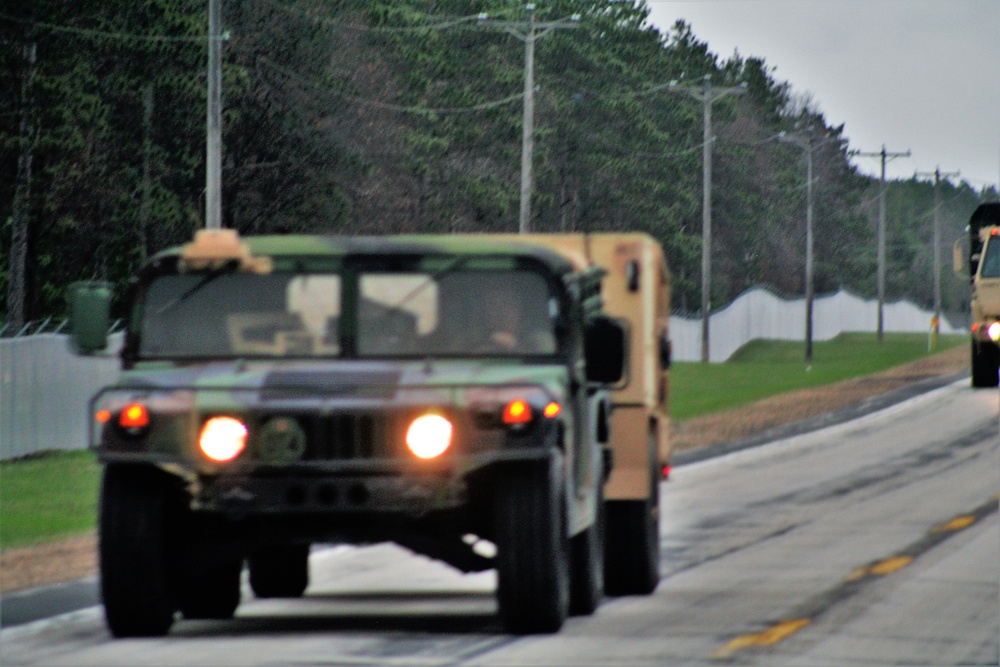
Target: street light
{"points": [[528, 32]]}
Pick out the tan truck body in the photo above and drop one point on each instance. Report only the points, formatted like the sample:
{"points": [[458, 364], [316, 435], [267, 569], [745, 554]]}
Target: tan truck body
{"points": [[636, 291]]}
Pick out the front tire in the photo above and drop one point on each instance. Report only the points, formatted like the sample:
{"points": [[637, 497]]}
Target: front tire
{"points": [[135, 514], [985, 364], [211, 592], [587, 571], [280, 571], [532, 549]]}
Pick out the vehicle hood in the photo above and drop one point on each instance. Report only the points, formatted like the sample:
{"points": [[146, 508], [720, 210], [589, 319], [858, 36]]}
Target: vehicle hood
{"points": [[347, 380]]}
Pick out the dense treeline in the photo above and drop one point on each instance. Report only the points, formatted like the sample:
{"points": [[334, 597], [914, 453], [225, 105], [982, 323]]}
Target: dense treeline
{"points": [[381, 116]]}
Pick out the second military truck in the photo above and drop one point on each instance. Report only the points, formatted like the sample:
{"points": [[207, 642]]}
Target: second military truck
{"points": [[984, 273]]}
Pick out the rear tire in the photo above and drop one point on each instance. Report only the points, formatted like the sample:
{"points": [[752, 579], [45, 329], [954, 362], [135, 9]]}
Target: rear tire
{"points": [[632, 558], [985, 364], [280, 571], [532, 549], [135, 518]]}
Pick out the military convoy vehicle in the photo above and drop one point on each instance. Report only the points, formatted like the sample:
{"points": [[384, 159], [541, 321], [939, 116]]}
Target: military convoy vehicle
{"points": [[984, 272], [471, 398]]}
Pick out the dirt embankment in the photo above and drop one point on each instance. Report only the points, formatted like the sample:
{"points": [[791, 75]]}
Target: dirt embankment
{"points": [[64, 560]]}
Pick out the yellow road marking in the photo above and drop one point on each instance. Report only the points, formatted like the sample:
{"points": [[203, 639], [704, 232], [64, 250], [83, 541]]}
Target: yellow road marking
{"points": [[882, 568], [890, 565], [768, 637], [958, 523]]}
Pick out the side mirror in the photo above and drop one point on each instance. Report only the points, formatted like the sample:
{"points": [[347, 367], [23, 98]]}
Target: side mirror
{"points": [[604, 346], [90, 316], [957, 258]]}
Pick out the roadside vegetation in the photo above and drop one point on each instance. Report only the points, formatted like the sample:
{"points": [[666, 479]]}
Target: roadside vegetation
{"points": [[764, 368], [47, 497], [53, 496], [386, 116]]}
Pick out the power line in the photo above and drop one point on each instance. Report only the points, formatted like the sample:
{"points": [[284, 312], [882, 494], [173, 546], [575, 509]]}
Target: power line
{"points": [[419, 110], [90, 32]]}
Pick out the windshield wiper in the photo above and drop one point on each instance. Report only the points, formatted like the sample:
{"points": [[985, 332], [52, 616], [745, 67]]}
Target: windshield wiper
{"points": [[225, 269]]}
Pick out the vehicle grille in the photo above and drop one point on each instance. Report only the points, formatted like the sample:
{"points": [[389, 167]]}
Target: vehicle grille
{"points": [[347, 437]]}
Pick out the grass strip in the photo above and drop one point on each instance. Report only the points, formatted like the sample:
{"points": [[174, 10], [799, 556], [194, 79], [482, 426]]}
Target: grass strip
{"points": [[47, 497], [765, 368]]}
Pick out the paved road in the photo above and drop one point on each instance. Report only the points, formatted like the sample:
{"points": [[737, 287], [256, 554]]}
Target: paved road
{"points": [[873, 542]]}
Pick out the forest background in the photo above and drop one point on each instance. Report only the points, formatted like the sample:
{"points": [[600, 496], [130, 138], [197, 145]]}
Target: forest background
{"points": [[387, 116]]}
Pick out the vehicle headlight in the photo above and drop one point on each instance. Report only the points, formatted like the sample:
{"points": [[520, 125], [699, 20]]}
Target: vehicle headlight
{"points": [[222, 438], [429, 436], [994, 332]]}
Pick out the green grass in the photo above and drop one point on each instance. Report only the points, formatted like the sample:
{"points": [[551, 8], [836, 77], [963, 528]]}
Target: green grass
{"points": [[48, 497], [55, 495], [764, 368]]}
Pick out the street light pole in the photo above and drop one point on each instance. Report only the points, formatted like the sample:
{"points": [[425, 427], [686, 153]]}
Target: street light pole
{"points": [[213, 158], [529, 32], [706, 95], [528, 126]]}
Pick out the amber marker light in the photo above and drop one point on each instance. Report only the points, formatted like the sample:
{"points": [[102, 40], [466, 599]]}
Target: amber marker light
{"points": [[552, 410], [429, 436], [133, 416], [102, 416], [222, 438], [517, 412]]}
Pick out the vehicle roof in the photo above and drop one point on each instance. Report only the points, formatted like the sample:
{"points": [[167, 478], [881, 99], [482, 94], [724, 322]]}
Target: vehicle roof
{"points": [[301, 245]]}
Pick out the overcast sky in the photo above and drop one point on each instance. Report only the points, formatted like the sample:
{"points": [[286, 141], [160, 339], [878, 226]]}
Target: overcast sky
{"points": [[922, 75]]}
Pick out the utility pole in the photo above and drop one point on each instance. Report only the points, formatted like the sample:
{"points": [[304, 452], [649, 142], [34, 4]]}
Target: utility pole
{"points": [[885, 155], [706, 94], [528, 32], [938, 176], [807, 144], [213, 160]]}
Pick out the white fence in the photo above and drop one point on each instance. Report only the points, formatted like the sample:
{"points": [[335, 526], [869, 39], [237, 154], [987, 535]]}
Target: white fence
{"points": [[45, 389], [758, 313], [44, 393]]}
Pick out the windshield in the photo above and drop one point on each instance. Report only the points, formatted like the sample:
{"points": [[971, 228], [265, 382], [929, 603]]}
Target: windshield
{"points": [[990, 264], [242, 314], [454, 312], [459, 312]]}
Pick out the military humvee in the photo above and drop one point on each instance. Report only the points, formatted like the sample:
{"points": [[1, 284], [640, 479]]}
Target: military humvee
{"points": [[437, 392]]}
